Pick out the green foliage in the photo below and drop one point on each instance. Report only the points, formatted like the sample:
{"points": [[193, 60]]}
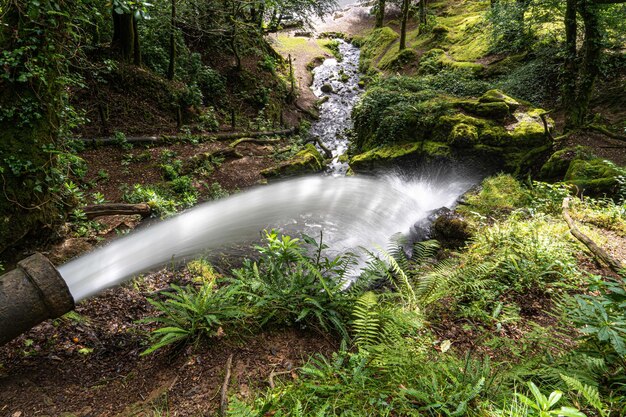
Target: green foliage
{"points": [[500, 194], [162, 203], [602, 319], [509, 32], [536, 78], [189, 314], [295, 289], [285, 286], [589, 393], [543, 406], [121, 141]]}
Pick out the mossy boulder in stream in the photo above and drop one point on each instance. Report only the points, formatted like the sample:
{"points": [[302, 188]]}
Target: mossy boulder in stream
{"points": [[386, 155], [398, 117], [307, 160]]}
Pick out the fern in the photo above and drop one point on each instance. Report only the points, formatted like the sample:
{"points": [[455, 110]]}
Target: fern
{"points": [[238, 408], [589, 393], [366, 323]]}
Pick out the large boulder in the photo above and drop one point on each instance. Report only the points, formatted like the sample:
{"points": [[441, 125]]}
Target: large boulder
{"points": [[580, 167], [307, 160]]}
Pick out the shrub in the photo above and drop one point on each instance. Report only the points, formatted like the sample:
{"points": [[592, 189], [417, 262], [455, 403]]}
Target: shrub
{"points": [[498, 195], [292, 288], [189, 314]]}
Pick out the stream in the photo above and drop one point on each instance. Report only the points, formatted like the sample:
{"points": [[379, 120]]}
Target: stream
{"points": [[336, 112]]}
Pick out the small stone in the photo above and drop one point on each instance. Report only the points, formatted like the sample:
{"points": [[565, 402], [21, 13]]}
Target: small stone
{"points": [[327, 88]]}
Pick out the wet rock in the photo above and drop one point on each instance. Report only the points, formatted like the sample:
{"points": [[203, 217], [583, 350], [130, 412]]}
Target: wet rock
{"points": [[423, 230], [307, 160], [327, 88], [451, 230]]}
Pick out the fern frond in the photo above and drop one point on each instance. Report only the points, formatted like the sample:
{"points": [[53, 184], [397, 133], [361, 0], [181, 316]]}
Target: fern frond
{"points": [[366, 323], [589, 393]]}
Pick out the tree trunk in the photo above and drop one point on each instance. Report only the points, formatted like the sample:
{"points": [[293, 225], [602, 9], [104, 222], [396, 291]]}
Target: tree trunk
{"points": [[136, 47], [124, 35], [172, 65], [116, 209], [405, 17], [380, 14], [570, 69], [423, 12], [30, 195], [592, 48]]}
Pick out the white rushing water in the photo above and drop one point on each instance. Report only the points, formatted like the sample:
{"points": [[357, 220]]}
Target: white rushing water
{"points": [[335, 114], [352, 212]]}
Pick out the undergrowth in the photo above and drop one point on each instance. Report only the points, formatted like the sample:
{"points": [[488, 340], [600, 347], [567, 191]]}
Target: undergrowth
{"points": [[510, 325]]}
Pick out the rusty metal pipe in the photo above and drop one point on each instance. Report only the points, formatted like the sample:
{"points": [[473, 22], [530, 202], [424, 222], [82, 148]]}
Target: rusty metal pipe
{"points": [[29, 294]]}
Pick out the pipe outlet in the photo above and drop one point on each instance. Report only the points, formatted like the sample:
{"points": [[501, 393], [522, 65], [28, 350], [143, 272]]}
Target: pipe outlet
{"points": [[29, 294]]}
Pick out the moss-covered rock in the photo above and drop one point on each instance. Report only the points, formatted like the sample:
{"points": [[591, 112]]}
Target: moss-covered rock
{"points": [[497, 96], [385, 154], [452, 230], [307, 160], [557, 165], [498, 110], [594, 176], [463, 135], [495, 130]]}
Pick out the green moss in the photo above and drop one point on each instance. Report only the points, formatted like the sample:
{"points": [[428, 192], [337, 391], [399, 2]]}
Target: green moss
{"points": [[398, 60], [556, 167], [497, 96], [498, 194], [463, 135], [386, 153], [375, 45], [528, 133], [595, 176], [495, 110], [307, 160], [436, 60], [392, 152]]}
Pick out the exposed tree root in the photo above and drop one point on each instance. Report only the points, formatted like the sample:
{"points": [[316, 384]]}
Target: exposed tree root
{"points": [[597, 251], [322, 145], [224, 392], [606, 132]]}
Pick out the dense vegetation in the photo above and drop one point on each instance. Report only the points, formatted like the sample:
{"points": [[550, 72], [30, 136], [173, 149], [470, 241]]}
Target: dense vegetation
{"points": [[527, 338], [501, 313], [97, 68]]}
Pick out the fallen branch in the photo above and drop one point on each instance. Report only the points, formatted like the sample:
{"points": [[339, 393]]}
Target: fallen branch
{"points": [[599, 253], [322, 146], [224, 392], [116, 209], [606, 132], [221, 136], [259, 141]]}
